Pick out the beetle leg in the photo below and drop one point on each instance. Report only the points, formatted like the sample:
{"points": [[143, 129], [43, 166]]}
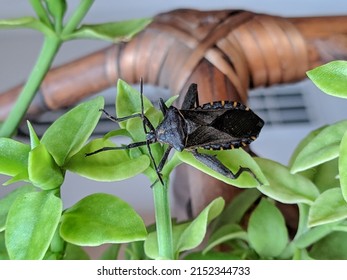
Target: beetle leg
{"points": [[129, 146], [191, 99], [163, 159], [162, 106], [213, 163]]}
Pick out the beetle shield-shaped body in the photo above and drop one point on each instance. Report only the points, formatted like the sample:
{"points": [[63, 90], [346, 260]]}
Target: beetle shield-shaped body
{"points": [[217, 125]]}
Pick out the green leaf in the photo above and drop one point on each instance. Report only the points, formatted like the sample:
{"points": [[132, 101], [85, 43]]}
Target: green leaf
{"points": [[40, 11], [7, 201], [18, 178], [312, 235], [267, 230], [111, 253], [331, 78], [67, 134], [73, 252], [236, 209], [25, 22], [31, 223], [232, 159], [57, 9], [304, 142], [188, 235], [128, 101], [195, 232], [101, 218], [135, 251], [332, 247], [34, 139], [171, 100], [329, 207], [111, 31], [212, 256], [322, 148], [325, 176], [343, 166], [225, 233], [108, 165], [3, 251], [43, 171], [135, 128], [284, 186], [13, 157]]}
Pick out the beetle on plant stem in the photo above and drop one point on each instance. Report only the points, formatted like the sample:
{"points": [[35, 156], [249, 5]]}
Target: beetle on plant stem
{"points": [[217, 125]]}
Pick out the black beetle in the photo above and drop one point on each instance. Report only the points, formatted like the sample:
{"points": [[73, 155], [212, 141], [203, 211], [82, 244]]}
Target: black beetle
{"points": [[215, 126]]}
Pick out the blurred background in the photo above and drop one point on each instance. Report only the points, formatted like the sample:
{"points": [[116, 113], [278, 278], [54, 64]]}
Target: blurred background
{"points": [[290, 111]]}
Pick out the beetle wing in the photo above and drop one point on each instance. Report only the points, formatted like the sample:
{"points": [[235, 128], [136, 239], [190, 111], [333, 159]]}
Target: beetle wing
{"points": [[209, 137], [239, 123], [221, 128]]}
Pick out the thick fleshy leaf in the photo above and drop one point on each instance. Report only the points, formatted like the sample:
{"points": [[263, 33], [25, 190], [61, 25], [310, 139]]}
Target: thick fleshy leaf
{"points": [[57, 9], [67, 135], [326, 175], [108, 165], [285, 186], [111, 31], [13, 157], [171, 100], [188, 235], [43, 171], [236, 209], [212, 255], [128, 101], [267, 230], [329, 207], [322, 148], [232, 159], [225, 233], [331, 247], [343, 166], [194, 234], [312, 235], [18, 178], [31, 223], [135, 128], [6, 203], [3, 251], [25, 22], [331, 78], [101, 218], [304, 142], [34, 139], [73, 252], [111, 253]]}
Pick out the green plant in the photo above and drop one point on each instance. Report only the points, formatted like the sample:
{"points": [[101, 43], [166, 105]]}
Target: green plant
{"points": [[34, 226], [50, 22], [43, 164]]}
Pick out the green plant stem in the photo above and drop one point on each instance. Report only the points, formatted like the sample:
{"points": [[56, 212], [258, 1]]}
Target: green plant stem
{"points": [[77, 17], [49, 49], [163, 221]]}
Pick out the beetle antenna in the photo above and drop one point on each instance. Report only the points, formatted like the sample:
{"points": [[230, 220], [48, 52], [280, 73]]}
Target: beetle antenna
{"points": [[146, 132]]}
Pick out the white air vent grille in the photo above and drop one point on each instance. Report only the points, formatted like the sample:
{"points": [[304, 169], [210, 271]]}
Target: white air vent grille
{"points": [[280, 106]]}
